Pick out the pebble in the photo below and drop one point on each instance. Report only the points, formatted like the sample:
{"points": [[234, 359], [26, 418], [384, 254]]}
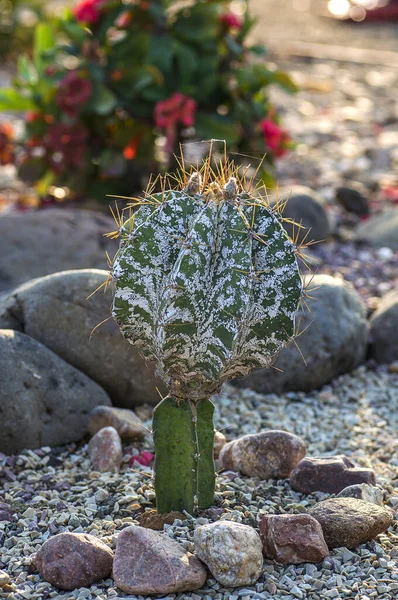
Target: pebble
{"points": [[147, 562], [72, 560], [349, 522], [363, 491], [4, 579], [124, 420], [267, 455], [219, 442], [105, 450], [328, 474], [292, 539], [231, 551]]}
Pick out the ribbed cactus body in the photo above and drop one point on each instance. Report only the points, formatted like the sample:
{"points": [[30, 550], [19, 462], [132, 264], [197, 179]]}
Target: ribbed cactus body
{"points": [[207, 285]]}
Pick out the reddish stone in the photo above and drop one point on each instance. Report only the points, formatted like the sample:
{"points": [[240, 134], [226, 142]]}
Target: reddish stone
{"points": [[268, 454], [73, 560], [105, 450], [125, 421], [149, 563], [292, 539], [151, 519], [330, 474]]}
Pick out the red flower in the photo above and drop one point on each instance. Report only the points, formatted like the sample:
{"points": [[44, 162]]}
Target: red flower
{"points": [[87, 11], [32, 116], [274, 137], [6, 150], [130, 150], [69, 141], [145, 458], [73, 92], [230, 20], [176, 109]]}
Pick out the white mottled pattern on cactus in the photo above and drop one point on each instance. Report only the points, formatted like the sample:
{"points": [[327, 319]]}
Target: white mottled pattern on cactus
{"points": [[208, 289]]}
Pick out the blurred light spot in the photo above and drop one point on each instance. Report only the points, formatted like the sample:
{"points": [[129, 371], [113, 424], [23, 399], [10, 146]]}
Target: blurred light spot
{"points": [[357, 13], [238, 7], [59, 192], [27, 17], [339, 8]]}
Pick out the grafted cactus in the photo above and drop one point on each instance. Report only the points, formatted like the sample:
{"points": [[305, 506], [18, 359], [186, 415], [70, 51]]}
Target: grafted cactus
{"points": [[207, 286]]}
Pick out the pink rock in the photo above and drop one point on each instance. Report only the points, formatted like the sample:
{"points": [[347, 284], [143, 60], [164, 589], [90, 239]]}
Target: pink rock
{"points": [[149, 563], [292, 539], [105, 450], [330, 474], [268, 454], [72, 560]]}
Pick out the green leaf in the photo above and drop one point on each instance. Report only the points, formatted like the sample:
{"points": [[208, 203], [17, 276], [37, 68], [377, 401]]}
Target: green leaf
{"points": [[26, 70], [10, 99], [187, 62], [102, 101], [44, 42], [75, 31], [215, 126], [285, 81], [161, 53], [258, 50]]}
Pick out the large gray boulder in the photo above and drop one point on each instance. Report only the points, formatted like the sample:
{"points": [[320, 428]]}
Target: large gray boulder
{"points": [[306, 207], [43, 400], [46, 241], [334, 343], [381, 230], [383, 326], [56, 311]]}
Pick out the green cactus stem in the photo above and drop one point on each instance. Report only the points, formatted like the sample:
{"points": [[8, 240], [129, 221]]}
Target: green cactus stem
{"points": [[207, 284], [184, 464]]}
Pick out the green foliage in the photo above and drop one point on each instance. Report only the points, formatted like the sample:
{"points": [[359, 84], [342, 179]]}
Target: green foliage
{"points": [[207, 285], [163, 71]]}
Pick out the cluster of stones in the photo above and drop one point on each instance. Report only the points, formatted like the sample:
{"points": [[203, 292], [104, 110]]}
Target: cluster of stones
{"points": [[149, 562]]}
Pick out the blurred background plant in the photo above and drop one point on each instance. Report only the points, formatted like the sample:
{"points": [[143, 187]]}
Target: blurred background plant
{"points": [[111, 89]]}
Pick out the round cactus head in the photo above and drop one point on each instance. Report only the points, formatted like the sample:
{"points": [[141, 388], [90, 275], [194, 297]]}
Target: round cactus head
{"points": [[207, 283]]}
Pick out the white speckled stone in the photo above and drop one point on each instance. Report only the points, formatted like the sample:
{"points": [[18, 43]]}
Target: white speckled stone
{"points": [[232, 552]]}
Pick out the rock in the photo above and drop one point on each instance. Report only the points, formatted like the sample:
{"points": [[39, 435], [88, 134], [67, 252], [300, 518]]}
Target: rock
{"points": [[105, 450], [363, 491], [125, 421], [267, 455], [219, 442], [353, 199], [46, 241], [306, 207], [348, 522], [381, 230], [153, 520], [56, 310], [72, 560], [334, 341], [44, 401], [383, 343], [330, 474], [6, 512], [232, 552], [149, 563], [292, 539], [5, 579]]}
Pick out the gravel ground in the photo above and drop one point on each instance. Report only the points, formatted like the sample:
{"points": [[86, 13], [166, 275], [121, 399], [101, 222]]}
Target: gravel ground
{"points": [[55, 490]]}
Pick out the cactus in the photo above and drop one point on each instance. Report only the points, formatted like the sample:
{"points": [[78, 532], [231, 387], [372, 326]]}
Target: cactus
{"points": [[207, 284]]}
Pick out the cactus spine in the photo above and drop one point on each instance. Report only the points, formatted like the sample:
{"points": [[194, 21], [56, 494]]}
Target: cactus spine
{"points": [[207, 285]]}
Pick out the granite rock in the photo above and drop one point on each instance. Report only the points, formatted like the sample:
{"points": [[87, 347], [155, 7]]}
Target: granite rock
{"points": [[124, 420]]}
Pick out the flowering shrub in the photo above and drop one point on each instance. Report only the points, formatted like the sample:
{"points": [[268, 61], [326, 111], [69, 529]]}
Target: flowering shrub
{"points": [[114, 87]]}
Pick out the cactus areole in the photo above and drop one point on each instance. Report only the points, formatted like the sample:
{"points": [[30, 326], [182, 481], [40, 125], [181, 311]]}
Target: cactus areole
{"points": [[207, 284]]}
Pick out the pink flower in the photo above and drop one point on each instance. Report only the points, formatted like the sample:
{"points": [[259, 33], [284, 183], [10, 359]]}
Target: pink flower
{"points": [[124, 19], [145, 458], [69, 140], [87, 11], [73, 92], [274, 137], [172, 111], [230, 20]]}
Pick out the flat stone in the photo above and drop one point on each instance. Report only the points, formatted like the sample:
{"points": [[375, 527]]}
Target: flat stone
{"points": [[383, 347], [72, 560], [292, 539], [329, 474], [105, 451], [269, 454], [62, 313], [124, 420], [153, 520], [41, 242], [44, 401], [349, 522], [5, 579], [148, 563], [334, 341], [363, 491], [219, 442], [381, 230], [232, 552], [6, 512]]}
